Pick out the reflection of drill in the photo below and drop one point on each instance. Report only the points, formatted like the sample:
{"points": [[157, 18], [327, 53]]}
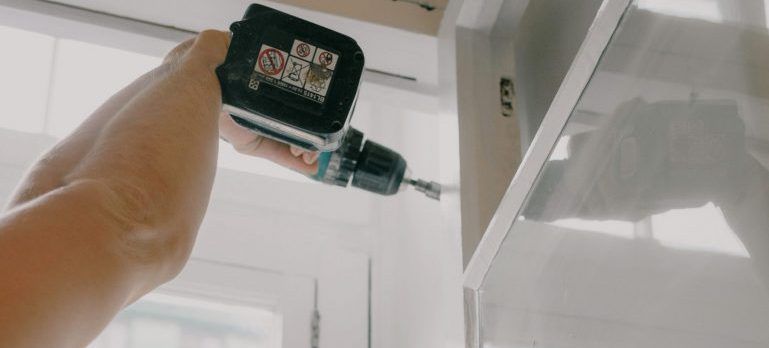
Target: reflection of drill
{"points": [[372, 167], [649, 158], [652, 158]]}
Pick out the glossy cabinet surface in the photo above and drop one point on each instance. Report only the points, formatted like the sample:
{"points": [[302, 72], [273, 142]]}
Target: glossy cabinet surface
{"points": [[648, 225]]}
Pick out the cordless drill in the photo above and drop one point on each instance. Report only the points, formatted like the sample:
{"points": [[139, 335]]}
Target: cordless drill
{"points": [[297, 82]]}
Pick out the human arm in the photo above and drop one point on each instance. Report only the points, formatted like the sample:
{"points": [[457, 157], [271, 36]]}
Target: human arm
{"points": [[112, 211]]}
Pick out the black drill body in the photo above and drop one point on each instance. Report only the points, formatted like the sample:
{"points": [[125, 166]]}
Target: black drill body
{"points": [[297, 82]]}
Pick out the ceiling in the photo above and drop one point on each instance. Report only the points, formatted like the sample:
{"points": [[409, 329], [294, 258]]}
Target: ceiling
{"points": [[392, 13], [393, 35]]}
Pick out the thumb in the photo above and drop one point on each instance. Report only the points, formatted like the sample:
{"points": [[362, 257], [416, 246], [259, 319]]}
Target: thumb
{"points": [[210, 48]]}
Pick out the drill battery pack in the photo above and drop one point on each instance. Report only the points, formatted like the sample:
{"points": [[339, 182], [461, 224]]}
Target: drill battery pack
{"points": [[290, 79]]}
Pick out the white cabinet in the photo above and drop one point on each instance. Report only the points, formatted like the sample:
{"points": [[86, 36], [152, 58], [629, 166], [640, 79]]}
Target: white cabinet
{"points": [[638, 217]]}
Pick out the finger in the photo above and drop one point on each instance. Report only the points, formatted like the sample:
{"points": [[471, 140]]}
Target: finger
{"points": [[309, 157], [249, 143], [234, 133], [296, 151], [280, 154], [210, 47]]}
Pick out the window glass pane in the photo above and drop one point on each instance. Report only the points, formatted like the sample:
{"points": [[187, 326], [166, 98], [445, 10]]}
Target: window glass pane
{"points": [[25, 65], [85, 76], [648, 225], [179, 322]]}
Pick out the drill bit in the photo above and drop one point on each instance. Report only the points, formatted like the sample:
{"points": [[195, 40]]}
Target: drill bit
{"points": [[431, 189]]}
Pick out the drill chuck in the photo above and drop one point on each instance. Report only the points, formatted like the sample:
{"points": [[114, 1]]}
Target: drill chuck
{"points": [[380, 170], [369, 166]]}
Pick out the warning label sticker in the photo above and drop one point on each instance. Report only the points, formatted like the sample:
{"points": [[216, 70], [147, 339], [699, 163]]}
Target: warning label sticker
{"points": [[271, 61], [303, 50], [318, 79], [307, 70], [326, 59], [296, 71]]}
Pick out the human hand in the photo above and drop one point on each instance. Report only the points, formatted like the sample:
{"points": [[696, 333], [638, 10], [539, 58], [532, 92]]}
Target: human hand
{"points": [[249, 143]]}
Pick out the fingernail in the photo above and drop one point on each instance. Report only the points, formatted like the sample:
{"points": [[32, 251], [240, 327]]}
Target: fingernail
{"points": [[296, 151], [309, 157]]}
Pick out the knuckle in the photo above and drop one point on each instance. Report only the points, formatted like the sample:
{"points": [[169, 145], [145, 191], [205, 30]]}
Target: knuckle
{"points": [[211, 34], [179, 50], [211, 46], [248, 148]]}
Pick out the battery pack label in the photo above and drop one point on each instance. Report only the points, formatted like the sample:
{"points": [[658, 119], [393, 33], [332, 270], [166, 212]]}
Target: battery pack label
{"points": [[306, 70], [271, 61]]}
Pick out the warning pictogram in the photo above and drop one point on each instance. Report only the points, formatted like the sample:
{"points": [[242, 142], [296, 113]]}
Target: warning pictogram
{"points": [[296, 71], [302, 50], [271, 61], [318, 79], [326, 59]]}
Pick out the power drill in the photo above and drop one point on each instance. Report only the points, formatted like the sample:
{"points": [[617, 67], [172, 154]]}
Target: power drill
{"points": [[297, 82]]}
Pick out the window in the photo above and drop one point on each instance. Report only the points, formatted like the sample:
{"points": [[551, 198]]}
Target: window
{"points": [[159, 320], [24, 90]]}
